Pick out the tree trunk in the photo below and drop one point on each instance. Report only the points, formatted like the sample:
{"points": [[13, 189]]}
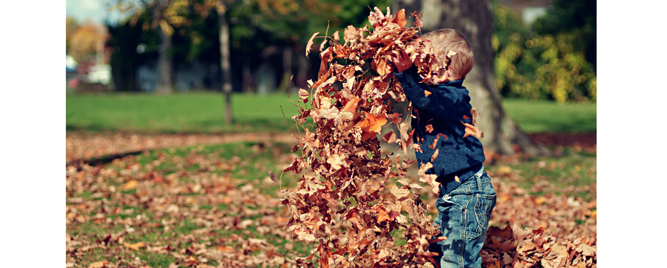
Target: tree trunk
{"points": [[474, 19], [302, 73], [287, 69], [224, 65], [164, 63], [247, 77]]}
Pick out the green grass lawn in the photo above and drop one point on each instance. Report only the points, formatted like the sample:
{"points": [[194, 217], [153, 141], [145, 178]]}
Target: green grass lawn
{"points": [[204, 113], [535, 116], [179, 113]]}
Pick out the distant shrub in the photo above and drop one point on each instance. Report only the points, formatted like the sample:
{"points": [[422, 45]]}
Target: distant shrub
{"points": [[533, 66]]}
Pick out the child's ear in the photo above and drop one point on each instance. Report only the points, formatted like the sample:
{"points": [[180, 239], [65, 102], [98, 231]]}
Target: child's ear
{"points": [[444, 78], [451, 76]]}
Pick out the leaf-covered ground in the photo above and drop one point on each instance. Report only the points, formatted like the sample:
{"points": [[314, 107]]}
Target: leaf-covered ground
{"points": [[215, 205]]}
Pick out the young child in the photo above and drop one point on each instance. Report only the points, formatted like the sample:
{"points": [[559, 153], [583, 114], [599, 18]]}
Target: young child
{"points": [[467, 196]]}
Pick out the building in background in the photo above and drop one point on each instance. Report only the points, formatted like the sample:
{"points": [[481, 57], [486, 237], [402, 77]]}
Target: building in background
{"points": [[529, 10]]}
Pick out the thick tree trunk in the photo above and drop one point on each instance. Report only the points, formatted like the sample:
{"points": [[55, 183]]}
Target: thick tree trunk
{"points": [[224, 65], [473, 19], [164, 64]]}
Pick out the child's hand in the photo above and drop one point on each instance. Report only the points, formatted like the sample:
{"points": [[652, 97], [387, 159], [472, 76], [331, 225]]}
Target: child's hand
{"points": [[401, 60]]}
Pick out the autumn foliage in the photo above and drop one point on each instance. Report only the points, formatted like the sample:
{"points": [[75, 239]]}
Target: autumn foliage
{"points": [[345, 200]]}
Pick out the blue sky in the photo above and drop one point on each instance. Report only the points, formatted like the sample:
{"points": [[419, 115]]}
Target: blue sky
{"points": [[97, 11]]}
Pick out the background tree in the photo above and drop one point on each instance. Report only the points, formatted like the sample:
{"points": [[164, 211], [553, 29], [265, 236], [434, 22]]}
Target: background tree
{"points": [[71, 26], [474, 19], [85, 41], [577, 18], [131, 47], [550, 59], [165, 16]]}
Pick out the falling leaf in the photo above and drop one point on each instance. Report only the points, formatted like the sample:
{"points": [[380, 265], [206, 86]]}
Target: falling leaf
{"points": [[329, 113], [403, 131], [429, 128], [399, 18], [434, 143], [303, 94], [310, 44], [372, 123], [473, 111], [435, 154], [399, 193], [427, 93], [351, 105], [337, 161], [395, 118], [272, 176], [349, 34], [472, 131], [390, 137]]}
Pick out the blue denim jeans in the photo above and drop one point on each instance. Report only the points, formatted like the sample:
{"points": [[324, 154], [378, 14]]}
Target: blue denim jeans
{"points": [[463, 217]]}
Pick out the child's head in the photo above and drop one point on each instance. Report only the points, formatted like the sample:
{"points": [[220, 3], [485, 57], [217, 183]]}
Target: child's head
{"points": [[445, 40]]}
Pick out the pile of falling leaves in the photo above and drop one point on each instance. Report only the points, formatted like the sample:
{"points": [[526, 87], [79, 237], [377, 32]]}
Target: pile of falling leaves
{"points": [[352, 200], [340, 200]]}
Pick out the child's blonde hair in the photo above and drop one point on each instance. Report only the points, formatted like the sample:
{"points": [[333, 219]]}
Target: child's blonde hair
{"points": [[447, 39]]}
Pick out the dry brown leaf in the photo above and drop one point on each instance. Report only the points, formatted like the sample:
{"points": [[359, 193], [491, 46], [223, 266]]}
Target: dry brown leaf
{"points": [[98, 264], [429, 128], [130, 185], [272, 176], [135, 246], [399, 193], [399, 18], [310, 43], [303, 94], [472, 131]]}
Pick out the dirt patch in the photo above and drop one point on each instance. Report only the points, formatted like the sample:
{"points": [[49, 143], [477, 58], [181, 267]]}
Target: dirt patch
{"points": [[578, 141]]}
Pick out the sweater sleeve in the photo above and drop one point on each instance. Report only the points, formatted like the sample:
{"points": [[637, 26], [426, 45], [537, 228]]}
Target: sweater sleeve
{"points": [[444, 102]]}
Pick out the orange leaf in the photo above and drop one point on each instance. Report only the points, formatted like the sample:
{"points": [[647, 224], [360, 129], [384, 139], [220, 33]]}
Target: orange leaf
{"points": [[399, 18], [427, 93], [134, 246], [128, 185], [390, 137], [372, 123], [98, 264], [472, 131], [351, 105], [225, 249]]}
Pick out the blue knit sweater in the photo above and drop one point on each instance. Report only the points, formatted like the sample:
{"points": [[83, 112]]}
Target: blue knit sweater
{"points": [[444, 109]]}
